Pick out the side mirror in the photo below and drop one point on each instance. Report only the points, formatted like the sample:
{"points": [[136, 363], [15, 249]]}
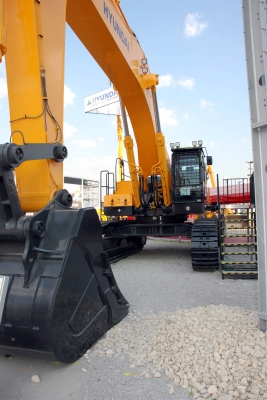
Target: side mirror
{"points": [[209, 160]]}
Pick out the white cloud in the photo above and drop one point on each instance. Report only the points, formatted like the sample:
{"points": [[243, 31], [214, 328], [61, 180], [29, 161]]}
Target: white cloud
{"points": [[166, 117], [165, 80], [187, 83], [3, 88], [68, 96], [213, 144], [97, 162], [101, 139], [193, 26], [186, 115], [168, 80], [204, 104], [84, 143], [68, 130], [88, 167]]}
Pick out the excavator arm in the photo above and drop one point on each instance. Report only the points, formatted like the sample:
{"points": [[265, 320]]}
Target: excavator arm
{"points": [[119, 54], [35, 80], [36, 36]]}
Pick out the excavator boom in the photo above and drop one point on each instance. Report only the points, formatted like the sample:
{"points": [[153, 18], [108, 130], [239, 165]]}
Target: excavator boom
{"points": [[35, 81], [36, 36], [119, 54]]}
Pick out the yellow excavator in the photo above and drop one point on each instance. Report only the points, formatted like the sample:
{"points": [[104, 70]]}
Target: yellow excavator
{"points": [[58, 294]]}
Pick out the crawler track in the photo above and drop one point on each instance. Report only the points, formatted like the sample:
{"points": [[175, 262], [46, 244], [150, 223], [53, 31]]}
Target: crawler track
{"points": [[204, 244], [117, 245], [118, 248]]}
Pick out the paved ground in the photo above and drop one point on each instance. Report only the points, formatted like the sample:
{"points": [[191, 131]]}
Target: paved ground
{"points": [[159, 278]]}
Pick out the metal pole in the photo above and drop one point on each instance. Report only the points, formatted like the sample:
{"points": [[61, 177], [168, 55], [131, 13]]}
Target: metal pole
{"points": [[255, 21], [124, 119], [220, 224], [158, 127]]}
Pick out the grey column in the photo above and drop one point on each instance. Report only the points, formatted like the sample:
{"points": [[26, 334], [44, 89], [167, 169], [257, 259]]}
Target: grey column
{"points": [[255, 25]]}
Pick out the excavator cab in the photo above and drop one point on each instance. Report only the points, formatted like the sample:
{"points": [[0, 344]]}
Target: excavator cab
{"points": [[188, 179], [189, 192]]}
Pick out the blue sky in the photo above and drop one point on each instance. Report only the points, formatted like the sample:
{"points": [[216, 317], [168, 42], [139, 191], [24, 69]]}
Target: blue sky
{"points": [[197, 48]]}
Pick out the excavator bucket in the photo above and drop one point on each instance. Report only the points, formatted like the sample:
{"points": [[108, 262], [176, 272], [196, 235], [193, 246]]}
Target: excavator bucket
{"points": [[59, 295]]}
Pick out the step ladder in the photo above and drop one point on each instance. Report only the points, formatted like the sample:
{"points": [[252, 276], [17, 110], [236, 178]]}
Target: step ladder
{"points": [[238, 242]]}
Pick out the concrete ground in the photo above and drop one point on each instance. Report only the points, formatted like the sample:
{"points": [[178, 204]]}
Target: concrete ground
{"points": [[160, 278]]}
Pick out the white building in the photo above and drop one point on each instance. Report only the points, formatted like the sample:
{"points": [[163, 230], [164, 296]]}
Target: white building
{"points": [[85, 192]]}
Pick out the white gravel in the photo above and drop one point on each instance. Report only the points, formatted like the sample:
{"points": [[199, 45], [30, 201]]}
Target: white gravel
{"points": [[214, 352], [35, 379]]}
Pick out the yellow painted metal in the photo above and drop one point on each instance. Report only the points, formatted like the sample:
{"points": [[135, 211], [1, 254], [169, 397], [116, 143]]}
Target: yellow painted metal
{"points": [[103, 30], [147, 81], [124, 187], [210, 171], [134, 170], [163, 168], [36, 36], [120, 147], [2, 31], [122, 197], [119, 200], [101, 214]]}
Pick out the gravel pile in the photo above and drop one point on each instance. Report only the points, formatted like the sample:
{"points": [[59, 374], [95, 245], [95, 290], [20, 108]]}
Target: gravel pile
{"points": [[214, 352]]}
